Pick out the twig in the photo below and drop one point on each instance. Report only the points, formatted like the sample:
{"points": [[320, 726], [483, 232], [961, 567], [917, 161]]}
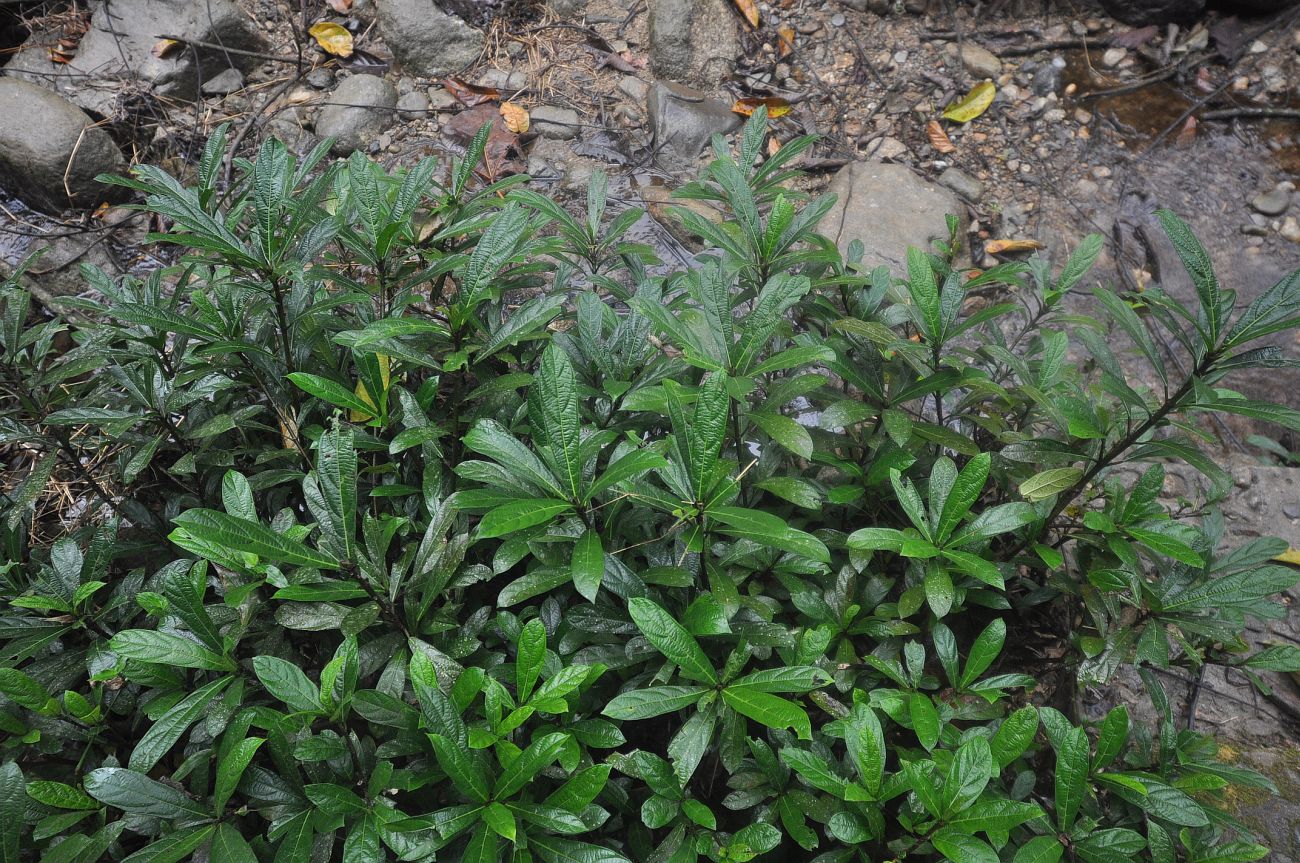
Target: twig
{"points": [[278, 58], [251, 121], [1236, 113]]}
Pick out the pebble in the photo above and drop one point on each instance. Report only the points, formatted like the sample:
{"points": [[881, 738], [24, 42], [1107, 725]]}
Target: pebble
{"points": [[1254, 230], [321, 78], [634, 88], [887, 149], [1056, 115], [551, 121], [900, 57], [1112, 57], [440, 99], [1082, 117], [1258, 47], [837, 20], [413, 105], [1290, 229], [1275, 202], [1241, 84], [1086, 187], [962, 183], [980, 62], [1101, 172]]}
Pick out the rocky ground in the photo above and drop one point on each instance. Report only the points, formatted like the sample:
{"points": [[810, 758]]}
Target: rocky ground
{"points": [[1096, 121]]}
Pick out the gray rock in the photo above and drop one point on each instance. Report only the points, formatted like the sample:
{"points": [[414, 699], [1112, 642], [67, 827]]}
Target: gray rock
{"points": [[426, 40], [551, 121], [227, 82], [51, 152], [440, 99], [962, 183], [694, 41], [888, 209], [683, 121], [566, 8], [321, 78], [116, 54], [413, 105], [1273, 203], [634, 88], [1047, 77], [980, 62], [358, 110], [503, 80]]}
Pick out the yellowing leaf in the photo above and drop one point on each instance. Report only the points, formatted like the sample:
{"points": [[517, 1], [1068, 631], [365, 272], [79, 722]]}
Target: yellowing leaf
{"points": [[385, 377], [516, 118], [776, 106], [973, 104], [334, 38], [1291, 556], [750, 10], [1005, 247], [784, 40], [164, 48]]}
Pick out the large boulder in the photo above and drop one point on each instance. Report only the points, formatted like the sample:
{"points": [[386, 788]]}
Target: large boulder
{"points": [[888, 209], [118, 52], [357, 112], [1142, 12], [51, 152], [425, 40], [693, 41]]}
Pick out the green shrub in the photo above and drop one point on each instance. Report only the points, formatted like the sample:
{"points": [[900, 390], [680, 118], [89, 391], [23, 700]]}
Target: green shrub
{"points": [[423, 520]]}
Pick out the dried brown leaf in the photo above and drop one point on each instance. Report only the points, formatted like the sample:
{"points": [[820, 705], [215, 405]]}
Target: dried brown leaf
{"points": [[1008, 247], [468, 94], [939, 138], [516, 118], [776, 106], [750, 10]]}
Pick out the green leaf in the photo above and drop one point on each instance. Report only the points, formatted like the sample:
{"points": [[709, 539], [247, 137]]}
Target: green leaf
{"points": [[329, 391], [588, 565], [555, 849], [992, 815], [925, 719], [539, 755], [287, 682], [174, 847], [672, 640], [59, 795], [652, 702], [250, 537], [148, 645], [1014, 736], [986, 648], [972, 767], [520, 515], [529, 658], [230, 770], [962, 847], [1050, 482], [766, 709], [769, 530], [785, 431], [13, 811], [164, 733], [1072, 756], [500, 820], [553, 410], [139, 795], [229, 845], [965, 491], [1112, 737], [1166, 545], [1114, 845], [1040, 849], [1197, 263], [459, 764]]}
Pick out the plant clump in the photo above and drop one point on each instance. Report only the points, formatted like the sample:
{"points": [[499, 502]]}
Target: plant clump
{"points": [[424, 520]]}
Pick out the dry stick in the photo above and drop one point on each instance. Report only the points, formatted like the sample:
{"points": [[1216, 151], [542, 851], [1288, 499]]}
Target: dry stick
{"points": [[1236, 113], [279, 58], [251, 121]]}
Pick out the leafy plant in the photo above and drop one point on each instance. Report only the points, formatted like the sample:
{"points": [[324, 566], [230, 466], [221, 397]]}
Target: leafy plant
{"points": [[422, 520]]}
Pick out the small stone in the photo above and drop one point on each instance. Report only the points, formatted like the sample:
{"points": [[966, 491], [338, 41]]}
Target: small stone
{"points": [[1290, 229], [1112, 57], [551, 121], [1258, 47], [962, 183], [980, 62], [321, 78], [500, 79], [1085, 187], [1101, 172], [1253, 230], [1291, 510], [634, 88], [900, 57], [887, 149], [223, 83], [837, 20], [413, 106], [1047, 79], [1240, 84], [1082, 117], [1273, 203], [440, 99], [1056, 115]]}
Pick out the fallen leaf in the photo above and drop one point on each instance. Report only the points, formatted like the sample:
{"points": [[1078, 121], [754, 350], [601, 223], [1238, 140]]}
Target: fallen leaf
{"points": [[939, 138], [784, 40], [773, 146], [59, 56], [1291, 556], [164, 48], [973, 104], [516, 117], [1187, 134], [501, 156], [340, 6], [333, 38], [776, 106], [750, 10], [1007, 247], [616, 61], [1134, 38], [468, 94]]}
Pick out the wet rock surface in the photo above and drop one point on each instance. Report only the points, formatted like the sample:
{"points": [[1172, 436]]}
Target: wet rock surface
{"points": [[359, 110]]}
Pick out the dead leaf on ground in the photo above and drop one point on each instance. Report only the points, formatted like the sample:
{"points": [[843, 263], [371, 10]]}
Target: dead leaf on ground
{"points": [[973, 104], [785, 40], [939, 138], [1187, 134], [164, 48], [776, 106], [340, 6], [502, 155], [333, 38], [468, 94], [1134, 38], [1008, 247], [773, 146], [616, 61], [516, 118], [750, 10]]}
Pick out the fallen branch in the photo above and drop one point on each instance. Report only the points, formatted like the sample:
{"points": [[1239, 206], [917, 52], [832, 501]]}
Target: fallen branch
{"points": [[1237, 113]]}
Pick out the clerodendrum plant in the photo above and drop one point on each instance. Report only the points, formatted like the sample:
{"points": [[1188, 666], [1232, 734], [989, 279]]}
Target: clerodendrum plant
{"points": [[420, 520]]}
